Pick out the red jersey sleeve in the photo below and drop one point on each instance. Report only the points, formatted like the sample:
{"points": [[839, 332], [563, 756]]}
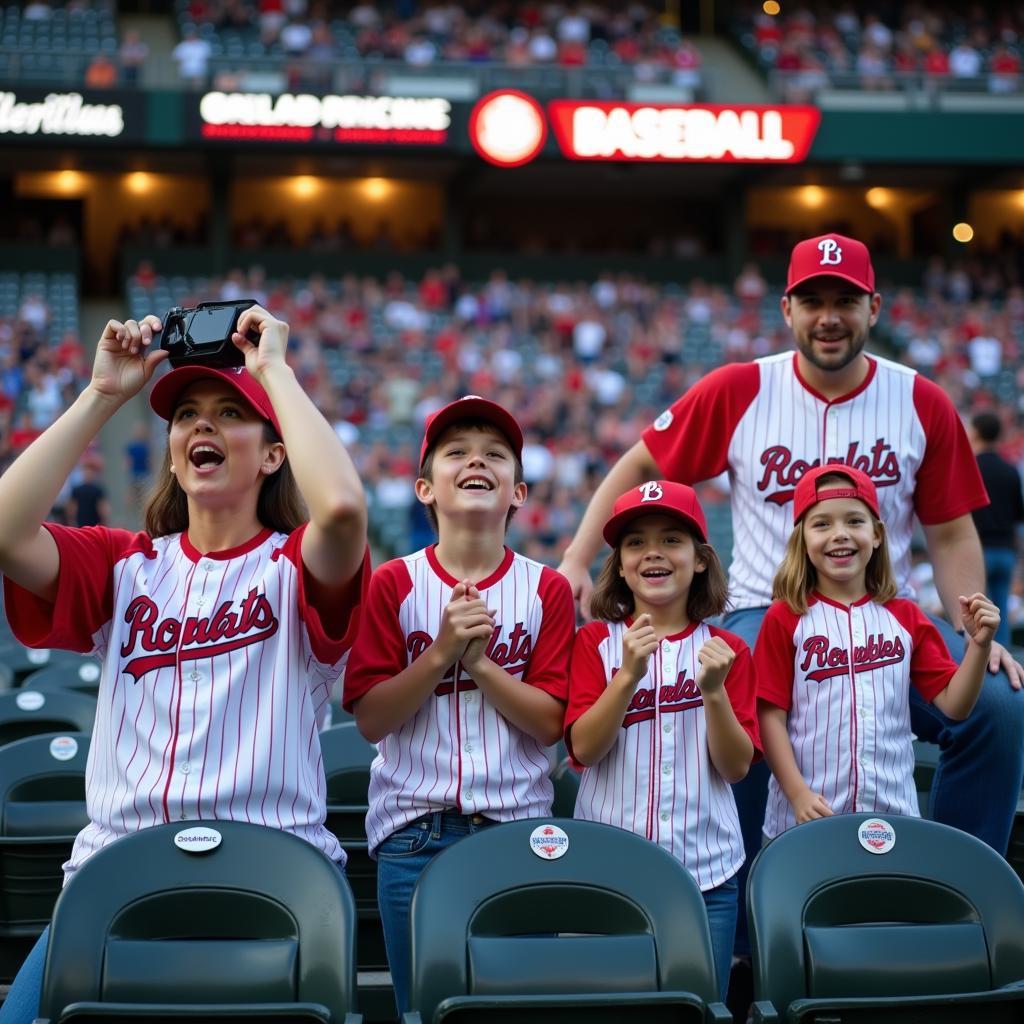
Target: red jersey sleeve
{"points": [[548, 666], [85, 589], [330, 615], [949, 483], [931, 666], [775, 656], [741, 687], [379, 651], [587, 676], [690, 440]]}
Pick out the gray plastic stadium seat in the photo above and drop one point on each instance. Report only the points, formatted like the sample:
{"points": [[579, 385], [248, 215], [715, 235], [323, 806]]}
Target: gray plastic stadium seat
{"points": [[42, 809], [260, 926], [28, 712]]}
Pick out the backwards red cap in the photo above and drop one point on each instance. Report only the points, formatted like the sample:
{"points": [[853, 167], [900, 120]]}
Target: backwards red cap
{"points": [[472, 407], [831, 256], [808, 492], [168, 389], [656, 496]]}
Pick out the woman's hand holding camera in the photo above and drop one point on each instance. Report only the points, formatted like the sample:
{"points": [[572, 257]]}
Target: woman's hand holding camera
{"points": [[125, 358], [273, 340]]}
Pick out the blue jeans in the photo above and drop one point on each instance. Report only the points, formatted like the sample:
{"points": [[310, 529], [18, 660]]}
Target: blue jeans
{"points": [[981, 761], [22, 1003], [999, 566], [401, 859], [721, 904]]}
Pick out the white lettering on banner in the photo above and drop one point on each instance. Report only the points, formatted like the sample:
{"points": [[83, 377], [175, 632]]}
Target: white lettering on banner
{"points": [[305, 111], [679, 133], [59, 114]]}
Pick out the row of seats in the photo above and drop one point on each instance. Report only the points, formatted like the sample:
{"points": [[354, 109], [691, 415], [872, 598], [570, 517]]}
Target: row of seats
{"points": [[502, 930]]}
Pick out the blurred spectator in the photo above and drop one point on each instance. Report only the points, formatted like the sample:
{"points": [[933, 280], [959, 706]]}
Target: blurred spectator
{"points": [[997, 524], [87, 504], [192, 55], [132, 55], [101, 73]]}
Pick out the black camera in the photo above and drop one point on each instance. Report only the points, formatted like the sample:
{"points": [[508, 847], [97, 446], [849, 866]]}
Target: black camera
{"points": [[203, 335]]}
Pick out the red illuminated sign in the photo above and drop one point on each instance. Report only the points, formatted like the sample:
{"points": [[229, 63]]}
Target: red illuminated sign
{"points": [[373, 120], [673, 133], [508, 128]]}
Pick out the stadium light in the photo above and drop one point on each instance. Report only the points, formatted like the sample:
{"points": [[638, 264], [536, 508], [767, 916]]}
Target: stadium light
{"points": [[771, 7], [963, 232], [139, 182], [376, 189], [305, 186], [69, 182], [812, 196], [879, 198]]}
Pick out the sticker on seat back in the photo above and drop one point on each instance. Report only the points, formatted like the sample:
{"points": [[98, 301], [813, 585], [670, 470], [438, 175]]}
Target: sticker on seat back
{"points": [[876, 835], [549, 842]]}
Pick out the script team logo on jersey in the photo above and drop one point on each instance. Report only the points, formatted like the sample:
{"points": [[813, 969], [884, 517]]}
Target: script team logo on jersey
{"points": [[169, 641], [549, 842], [876, 835], [782, 471], [831, 252], [876, 652], [681, 695]]}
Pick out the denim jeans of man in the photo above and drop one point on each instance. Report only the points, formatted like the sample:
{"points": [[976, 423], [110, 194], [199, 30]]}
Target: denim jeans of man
{"points": [[721, 903], [999, 566], [981, 760], [401, 859]]}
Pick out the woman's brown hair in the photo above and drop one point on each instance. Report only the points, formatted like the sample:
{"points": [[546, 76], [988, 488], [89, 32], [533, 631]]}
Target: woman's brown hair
{"points": [[796, 577], [613, 601], [279, 507]]}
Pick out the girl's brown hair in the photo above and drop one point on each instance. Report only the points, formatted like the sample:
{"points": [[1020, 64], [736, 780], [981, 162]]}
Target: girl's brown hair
{"points": [[613, 601], [279, 507], [796, 577]]}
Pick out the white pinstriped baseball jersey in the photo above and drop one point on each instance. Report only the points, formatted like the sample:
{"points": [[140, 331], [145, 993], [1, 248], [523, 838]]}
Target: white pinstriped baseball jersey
{"points": [[843, 674], [766, 426], [458, 751], [216, 677], [658, 779]]}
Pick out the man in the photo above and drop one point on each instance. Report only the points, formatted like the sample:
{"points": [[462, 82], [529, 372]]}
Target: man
{"points": [[769, 421], [998, 522]]}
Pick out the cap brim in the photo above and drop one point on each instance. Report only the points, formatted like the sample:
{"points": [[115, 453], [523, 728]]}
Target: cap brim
{"points": [[617, 523], [475, 408], [842, 277], [164, 396]]}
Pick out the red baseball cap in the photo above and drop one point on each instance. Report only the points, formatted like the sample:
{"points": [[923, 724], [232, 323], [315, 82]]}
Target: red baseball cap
{"points": [[831, 256], [656, 496], [472, 407], [168, 389], [808, 493]]}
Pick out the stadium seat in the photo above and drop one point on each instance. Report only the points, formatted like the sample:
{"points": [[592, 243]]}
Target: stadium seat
{"points": [[347, 757], [23, 661], [258, 925], [843, 929], [42, 809], [27, 712], [65, 675], [613, 928]]}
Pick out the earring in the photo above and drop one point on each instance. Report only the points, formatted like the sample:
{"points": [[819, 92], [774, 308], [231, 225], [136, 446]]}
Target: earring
{"points": [[173, 469]]}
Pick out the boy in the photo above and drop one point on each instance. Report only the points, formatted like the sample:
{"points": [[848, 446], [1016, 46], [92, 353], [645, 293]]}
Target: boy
{"points": [[461, 684]]}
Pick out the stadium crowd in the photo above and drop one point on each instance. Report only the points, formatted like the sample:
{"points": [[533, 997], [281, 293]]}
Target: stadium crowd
{"points": [[586, 366], [815, 46]]}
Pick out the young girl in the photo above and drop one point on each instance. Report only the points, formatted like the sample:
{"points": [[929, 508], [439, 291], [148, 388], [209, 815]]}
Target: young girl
{"points": [[222, 627], [661, 705], [837, 654]]}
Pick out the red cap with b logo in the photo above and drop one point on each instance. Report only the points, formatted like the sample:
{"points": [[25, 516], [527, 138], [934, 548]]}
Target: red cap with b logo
{"points": [[831, 256], [656, 496]]}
